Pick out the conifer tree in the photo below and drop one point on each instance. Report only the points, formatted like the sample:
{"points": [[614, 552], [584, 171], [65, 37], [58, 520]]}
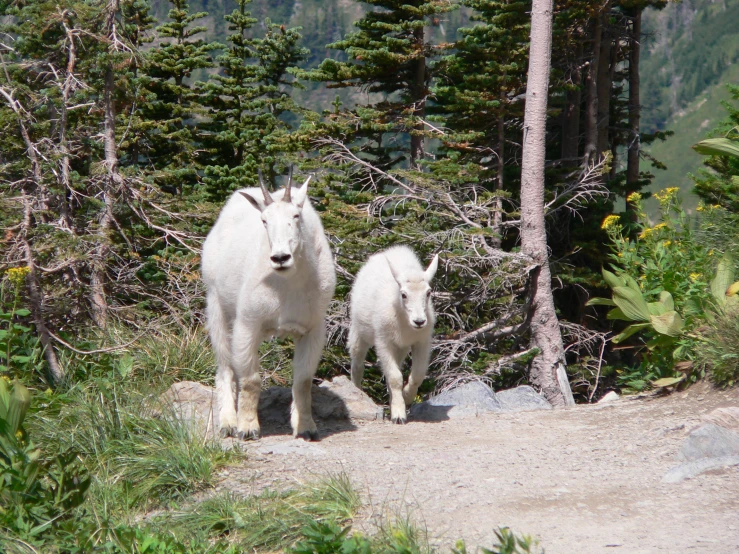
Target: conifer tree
{"points": [[164, 142], [249, 103], [390, 58]]}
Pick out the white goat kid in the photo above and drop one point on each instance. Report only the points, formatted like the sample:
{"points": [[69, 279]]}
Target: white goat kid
{"points": [[391, 309], [269, 271]]}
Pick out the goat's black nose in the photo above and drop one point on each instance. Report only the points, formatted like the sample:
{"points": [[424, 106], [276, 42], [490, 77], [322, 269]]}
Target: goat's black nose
{"points": [[419, 322], [280, 258]]}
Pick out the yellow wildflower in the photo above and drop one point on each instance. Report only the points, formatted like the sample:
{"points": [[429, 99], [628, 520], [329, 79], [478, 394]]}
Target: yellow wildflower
{"points": [[700, 208], [610, 221], [695, 276], [664, 196], [620, 254], [634, 197], [715, 206], [660, 226], [667, 243], [17, 275]]}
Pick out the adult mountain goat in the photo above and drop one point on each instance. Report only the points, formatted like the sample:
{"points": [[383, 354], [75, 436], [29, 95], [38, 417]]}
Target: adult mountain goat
{"points": [[391, 309], [269, 271]]}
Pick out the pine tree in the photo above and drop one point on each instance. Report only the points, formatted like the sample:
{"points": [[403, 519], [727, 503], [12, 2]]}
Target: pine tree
{"points": [[389, 58], [249, 103], [163, 141]]}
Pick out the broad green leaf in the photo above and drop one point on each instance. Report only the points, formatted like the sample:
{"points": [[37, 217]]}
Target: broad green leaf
{"points": [[631, 283], [717, 147], [617, 314], [667, 381], [612, 279], [22, 312], [600, 302], [669, 324], [630, 330], [666, 299], [632, 303], [723, 279], [656, 308]]}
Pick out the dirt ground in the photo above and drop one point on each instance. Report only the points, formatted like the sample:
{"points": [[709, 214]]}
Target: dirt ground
{"points": [[581, 480]]}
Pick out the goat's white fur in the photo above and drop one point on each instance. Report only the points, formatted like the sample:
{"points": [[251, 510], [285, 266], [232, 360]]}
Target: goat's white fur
{"points": [[391, 309], [268, 270]]}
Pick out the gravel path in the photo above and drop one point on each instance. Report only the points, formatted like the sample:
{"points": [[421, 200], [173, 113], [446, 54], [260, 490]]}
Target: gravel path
{"points": [[583, 480]]}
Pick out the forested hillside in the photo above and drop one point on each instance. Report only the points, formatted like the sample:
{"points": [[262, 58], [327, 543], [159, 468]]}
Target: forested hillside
{"points": [[691, 54]]}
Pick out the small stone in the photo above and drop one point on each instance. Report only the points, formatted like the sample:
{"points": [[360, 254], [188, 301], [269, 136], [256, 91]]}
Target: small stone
{"points": [[724, 417], [609, 397]]}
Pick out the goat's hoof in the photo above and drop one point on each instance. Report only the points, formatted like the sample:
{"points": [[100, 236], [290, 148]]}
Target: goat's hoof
{"points": [[399, 420], [226, 432], [311, 436], [252, 435]]}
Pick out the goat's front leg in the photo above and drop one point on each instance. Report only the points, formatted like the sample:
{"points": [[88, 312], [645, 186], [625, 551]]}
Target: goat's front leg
{"points": [[245, 363], [421, 353], [307, 355], [390, 360]]}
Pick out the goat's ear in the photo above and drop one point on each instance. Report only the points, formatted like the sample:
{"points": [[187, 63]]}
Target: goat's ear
{"points": [[431, 270], [299, 196], [253, 201], [395, 274]]}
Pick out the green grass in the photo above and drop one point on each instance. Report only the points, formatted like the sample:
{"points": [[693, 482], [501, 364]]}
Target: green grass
{"points": [[139, 457], [268, 522]]}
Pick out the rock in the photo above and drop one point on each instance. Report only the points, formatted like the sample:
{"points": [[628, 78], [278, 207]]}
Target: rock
{"points": [[522, 399], [340, 399], [724, 417], [692, 469], [335, 400], [475, 398], [192, 402], [470, 399], [707, 447], [609, 397], [709, 441]]}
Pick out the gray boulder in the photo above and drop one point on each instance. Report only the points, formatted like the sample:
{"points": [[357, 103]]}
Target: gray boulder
{"points": [[708, 447], [475, 398], [522, 399], [338, 399]]}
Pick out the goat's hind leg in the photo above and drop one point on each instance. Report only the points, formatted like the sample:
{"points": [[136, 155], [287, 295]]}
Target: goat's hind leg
{"points": [[220, 338], [245, 363], [307, 355]]}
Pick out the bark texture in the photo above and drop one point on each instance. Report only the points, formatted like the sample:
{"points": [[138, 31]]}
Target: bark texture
{"points": [[591, 96], [632, 161], [419, 99], [548, 368], [604, 88]]}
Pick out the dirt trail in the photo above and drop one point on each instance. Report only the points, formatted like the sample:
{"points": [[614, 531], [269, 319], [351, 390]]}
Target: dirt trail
{"points": [[583, 480]]}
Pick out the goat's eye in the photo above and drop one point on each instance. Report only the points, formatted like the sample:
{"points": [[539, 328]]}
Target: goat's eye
{"points": [[296, 216], [264, 223], [404, 296], [428, 293]]}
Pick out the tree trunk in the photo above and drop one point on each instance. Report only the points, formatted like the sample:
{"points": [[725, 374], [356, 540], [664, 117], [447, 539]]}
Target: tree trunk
{"points": [[498, 204], [548, 370], [35, 296], [632, 160], [65, 181], [98, 298], [604, 87], [591, 96], [419, 99], [571, 114]]}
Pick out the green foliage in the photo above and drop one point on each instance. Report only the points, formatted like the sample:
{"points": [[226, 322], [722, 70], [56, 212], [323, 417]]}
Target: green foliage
{"points": [[37, 494], [272, 520], [20, 354], [653, 292], [508, 543]]}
